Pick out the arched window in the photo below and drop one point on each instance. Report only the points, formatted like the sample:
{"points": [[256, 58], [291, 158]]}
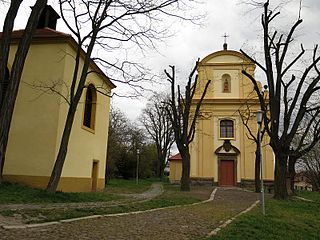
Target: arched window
{"points": [[90, 107], [226, 83], [4, 85], [226, 129]]}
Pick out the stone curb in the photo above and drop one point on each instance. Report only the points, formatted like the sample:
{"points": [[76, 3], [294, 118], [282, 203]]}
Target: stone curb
{"points": [[226, 223], [80, 218], [211, 198], [303, 199]]}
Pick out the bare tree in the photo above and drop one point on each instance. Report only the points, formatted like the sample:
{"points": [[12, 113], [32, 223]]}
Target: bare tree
{"points": [[109, 24], [118, 138], [291, 96], [183, 117], [310, 163], [311, 137], [158, 125], [246, 115], [9, 82], [123, 141]]}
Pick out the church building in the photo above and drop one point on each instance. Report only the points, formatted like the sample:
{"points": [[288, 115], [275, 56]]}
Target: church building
{"points": [[40, 114], [221, 151]]}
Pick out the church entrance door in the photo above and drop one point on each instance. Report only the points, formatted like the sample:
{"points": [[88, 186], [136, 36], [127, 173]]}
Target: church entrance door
{"points": [[226, 176]]}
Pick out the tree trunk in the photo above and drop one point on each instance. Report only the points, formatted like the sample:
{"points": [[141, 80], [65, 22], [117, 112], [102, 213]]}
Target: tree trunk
{"points": [[257, 182], [159, 159], [5, 43], [280, 176], [162, 163], [7, 106], [185, 178], [292, 173], [56, 173], [5, 126]]}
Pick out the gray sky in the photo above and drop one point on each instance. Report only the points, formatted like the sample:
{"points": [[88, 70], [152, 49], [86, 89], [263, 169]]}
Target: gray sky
{"points": [[192, 41]]}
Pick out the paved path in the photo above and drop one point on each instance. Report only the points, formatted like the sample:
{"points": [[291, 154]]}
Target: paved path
{"points": [[189, 222]]}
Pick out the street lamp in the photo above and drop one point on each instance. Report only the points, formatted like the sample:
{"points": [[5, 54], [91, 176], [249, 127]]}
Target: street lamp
{"points": [[259, 116], [137, 170]]}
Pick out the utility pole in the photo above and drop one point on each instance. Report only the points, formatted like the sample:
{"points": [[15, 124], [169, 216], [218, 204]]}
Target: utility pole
{"points": [[259, 121], [137, 170]]}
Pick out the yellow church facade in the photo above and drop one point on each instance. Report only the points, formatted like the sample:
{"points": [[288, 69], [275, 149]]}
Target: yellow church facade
{"points": [[221, 151], [40, 114]]}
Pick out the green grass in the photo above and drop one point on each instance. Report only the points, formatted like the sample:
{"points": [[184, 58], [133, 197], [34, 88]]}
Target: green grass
{"points": [[292, 219], [314, 196], [129, 186], [15, 193], [171, 197]]}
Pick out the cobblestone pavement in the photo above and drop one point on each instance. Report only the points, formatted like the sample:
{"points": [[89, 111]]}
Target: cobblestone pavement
{"points": [[188, 222]]}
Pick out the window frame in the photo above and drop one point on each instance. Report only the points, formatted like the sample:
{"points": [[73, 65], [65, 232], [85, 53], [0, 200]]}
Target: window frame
{"points": [[233, 129], [92, 108]]}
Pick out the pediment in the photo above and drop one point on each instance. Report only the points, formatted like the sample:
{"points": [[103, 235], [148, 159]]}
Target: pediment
{"points": [[222, 151], [229, 57]]}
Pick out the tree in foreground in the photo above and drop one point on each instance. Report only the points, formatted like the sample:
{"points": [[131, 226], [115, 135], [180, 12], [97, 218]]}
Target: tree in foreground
{"points": [[246, 115], [157, 123], [183, 118], [107, 25], [292, 95], [9, 82]]}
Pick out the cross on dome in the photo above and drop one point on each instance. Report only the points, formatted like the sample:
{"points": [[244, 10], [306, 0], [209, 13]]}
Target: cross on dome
{"points": [[225, 45]]}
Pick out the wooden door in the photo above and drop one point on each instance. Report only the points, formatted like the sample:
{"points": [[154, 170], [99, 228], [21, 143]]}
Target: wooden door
{"points": [[94, 176], [226, 173]]}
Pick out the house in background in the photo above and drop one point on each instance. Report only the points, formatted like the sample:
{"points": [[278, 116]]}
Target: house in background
{"points": [[221, 152], [302, 182], [175, 167], [39, 118]]}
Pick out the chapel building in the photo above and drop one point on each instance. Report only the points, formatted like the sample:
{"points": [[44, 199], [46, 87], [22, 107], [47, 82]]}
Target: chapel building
{"points": [[40, 114]]}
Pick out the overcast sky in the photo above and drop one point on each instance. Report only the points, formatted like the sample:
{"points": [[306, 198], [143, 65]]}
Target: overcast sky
{"points": [[193, 41]]}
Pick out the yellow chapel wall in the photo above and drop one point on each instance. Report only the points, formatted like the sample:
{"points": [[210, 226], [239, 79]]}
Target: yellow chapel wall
{"points": [[31, 146], [33, 165], [86, 146], [175, 171]]}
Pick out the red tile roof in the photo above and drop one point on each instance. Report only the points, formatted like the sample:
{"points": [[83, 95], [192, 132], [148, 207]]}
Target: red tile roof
{"points": [[51, 35], [40, 33], [175, 157]]}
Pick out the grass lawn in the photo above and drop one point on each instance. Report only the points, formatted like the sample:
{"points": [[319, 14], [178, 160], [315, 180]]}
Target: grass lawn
{"points": [[129, 186], [14, 193], [172, 196], [293, 219]]}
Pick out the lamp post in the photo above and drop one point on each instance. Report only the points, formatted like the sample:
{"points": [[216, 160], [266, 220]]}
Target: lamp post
{"points": [[137, 170], [259, 116]]}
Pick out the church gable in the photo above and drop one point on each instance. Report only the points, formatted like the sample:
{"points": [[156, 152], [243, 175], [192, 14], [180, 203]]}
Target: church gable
{"points": [[225, 57], [224, 68]]}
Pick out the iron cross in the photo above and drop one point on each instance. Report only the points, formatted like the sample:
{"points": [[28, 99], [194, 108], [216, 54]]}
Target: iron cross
{"points": [[225, 37]]}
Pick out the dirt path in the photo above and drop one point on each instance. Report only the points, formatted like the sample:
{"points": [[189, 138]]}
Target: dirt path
{"points": [[155, 190], [188, 222]]}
